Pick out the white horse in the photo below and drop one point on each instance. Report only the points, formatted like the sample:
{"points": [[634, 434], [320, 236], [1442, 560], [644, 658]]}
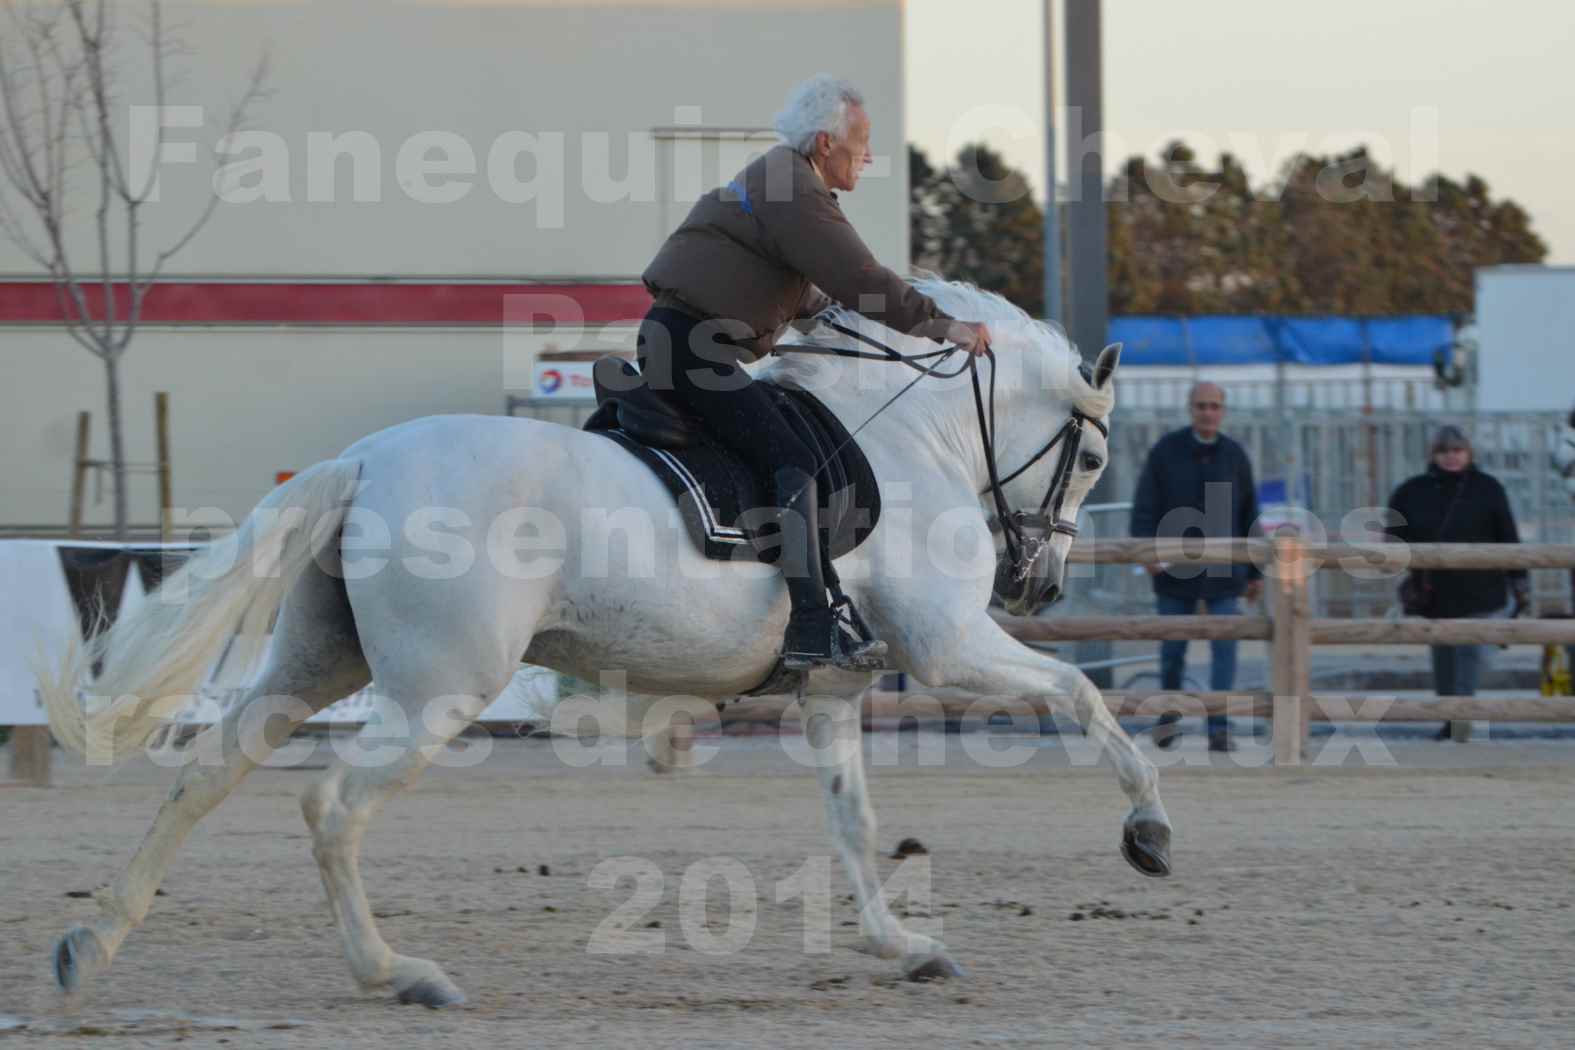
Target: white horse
{"points": [[524, 509]]}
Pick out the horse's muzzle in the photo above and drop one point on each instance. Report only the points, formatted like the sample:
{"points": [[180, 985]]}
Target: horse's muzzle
{"points": [[1025, 595]]}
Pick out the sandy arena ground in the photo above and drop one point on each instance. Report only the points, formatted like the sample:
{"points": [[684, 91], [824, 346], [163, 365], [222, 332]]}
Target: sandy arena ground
{"points": [[1426, 901]]}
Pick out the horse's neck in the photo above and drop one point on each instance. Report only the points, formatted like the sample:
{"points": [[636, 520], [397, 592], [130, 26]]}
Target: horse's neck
{"points": [[934, 423]]}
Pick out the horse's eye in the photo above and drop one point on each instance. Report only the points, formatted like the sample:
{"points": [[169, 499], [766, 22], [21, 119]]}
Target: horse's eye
{"points": [[1092, 462]]}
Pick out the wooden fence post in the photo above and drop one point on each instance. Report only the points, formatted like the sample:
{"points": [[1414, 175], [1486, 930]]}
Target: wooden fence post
{"points": [[1290, 649], [30, 755]]}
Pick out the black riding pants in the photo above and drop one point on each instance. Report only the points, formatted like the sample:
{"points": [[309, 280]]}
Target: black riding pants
{"points": [[699, 362]]}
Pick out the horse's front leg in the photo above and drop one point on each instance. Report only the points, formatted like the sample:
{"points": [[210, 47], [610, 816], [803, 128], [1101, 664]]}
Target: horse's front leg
{"points": [[980, 657], [831, 727]]}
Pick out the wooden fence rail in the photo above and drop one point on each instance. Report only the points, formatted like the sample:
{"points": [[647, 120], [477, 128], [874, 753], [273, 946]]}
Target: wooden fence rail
{"points": [[928, 705], [1261, 629], [1375, 557]]}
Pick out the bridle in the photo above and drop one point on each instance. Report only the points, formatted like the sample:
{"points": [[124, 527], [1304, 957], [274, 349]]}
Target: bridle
{"points": [[1021, 550]]}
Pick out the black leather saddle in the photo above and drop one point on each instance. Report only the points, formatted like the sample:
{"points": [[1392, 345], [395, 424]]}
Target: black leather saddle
{"points": [[653, 417], [715, 490]]}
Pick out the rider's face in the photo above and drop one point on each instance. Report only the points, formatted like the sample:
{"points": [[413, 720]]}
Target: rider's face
{"points": [[843, 160]]}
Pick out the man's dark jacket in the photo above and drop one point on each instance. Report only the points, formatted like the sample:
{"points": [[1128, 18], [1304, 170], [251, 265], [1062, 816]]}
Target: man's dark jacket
{"points": [[1191, 488], [1480, 515]]}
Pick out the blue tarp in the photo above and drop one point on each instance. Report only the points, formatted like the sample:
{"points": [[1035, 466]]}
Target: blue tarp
{"points": [[1271, 340]]}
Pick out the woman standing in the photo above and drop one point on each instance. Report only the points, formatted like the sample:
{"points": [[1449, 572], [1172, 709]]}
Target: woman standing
{"points": [[1454, 502]]}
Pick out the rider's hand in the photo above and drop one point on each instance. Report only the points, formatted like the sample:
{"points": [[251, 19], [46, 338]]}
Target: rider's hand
{"points": [[971, 336]]}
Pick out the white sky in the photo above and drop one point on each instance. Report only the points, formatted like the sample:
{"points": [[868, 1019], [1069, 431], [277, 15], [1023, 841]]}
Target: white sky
{"points": [[1265, 78]]}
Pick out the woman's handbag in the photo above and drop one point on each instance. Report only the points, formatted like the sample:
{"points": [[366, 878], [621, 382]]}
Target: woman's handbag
{"points": [[1416, 594]]}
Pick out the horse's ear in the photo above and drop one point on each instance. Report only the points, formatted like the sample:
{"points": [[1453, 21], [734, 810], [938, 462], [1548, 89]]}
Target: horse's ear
{"points": [[1105, 367]]}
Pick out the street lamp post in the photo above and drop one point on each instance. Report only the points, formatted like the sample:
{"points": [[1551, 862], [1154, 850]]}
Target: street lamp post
{"points": [[1088, 313], [1054, 309]]}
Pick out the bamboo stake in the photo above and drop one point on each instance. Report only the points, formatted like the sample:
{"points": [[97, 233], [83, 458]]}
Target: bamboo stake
{"points": [[79, 471], [161, 422]]}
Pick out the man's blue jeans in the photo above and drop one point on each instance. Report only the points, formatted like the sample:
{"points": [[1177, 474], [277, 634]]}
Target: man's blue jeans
{"points": [[1457, 669], [1222, 654]]}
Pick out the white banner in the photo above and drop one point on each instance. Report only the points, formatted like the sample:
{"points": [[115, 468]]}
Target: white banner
{"points": [[48, 588], [563, 380], [37, 616]]}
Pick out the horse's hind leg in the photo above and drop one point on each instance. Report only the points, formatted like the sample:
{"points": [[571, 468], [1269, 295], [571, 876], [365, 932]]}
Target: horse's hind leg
{"points": [[670, 749], [433, 682], [315, 659]]}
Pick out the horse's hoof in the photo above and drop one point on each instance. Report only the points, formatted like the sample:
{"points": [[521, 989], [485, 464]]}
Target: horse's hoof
{"points": [[79, 956], [434, 995], [1146, 846], [935, 968]]}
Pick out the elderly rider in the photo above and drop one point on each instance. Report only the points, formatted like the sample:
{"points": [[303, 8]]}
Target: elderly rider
{"points": [[771, 247]]}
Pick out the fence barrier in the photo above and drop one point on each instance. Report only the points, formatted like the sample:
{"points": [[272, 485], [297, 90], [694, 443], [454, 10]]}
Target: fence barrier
{"points": [[1288, 564], [1289, 628]]}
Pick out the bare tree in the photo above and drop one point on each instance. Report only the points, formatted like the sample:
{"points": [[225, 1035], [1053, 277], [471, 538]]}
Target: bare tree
{"points": [[63, 88]]}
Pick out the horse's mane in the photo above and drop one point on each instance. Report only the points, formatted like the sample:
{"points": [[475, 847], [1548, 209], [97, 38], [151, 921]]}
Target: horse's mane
{"points": [[1010, 326]]}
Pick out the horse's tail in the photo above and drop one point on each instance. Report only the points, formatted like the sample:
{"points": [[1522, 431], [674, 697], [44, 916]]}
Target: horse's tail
{"points": [[153, 658]]}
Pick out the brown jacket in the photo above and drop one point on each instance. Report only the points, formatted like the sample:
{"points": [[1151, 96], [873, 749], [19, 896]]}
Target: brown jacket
{"points": [[772, 246]]}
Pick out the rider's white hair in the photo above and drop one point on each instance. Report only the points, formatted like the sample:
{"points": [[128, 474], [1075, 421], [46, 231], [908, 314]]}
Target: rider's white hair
{"points": [[821, 103]]}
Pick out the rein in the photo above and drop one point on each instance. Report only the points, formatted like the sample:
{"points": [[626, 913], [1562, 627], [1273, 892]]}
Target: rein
{"points": [[1021, 550]]}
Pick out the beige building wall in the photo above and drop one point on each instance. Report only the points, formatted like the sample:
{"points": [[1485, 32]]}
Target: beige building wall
{"points": [[569, 135], [537, 107], [246, 404]]}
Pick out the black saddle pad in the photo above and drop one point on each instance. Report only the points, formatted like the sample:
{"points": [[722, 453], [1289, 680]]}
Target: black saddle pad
{"points": [[716, 492]]}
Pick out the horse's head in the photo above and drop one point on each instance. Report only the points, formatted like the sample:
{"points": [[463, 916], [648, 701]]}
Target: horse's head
{"points": [[1069, 433]]}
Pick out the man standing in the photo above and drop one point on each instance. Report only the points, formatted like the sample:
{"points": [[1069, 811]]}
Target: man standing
{"points": [[1198, 481]]}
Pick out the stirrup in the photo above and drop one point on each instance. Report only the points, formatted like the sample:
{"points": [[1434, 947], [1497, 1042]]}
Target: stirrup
{"points": [[862, 650], [863, 656], [821, 638]]}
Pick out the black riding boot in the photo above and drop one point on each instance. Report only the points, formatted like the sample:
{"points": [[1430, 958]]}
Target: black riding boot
{"points": [[815, 636]]}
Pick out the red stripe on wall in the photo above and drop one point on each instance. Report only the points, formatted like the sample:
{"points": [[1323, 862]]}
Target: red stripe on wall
{"points": [[365, 303]]}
